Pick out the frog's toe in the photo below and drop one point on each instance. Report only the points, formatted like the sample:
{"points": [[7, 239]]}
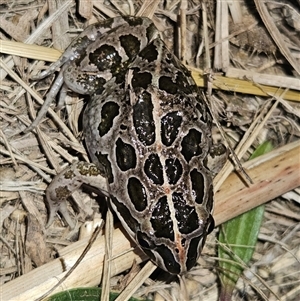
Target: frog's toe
{"points": [[63, 210]]}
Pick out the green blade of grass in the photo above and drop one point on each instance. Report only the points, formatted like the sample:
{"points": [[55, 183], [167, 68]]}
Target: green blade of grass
{"points": [[85, 294], [237, 239]]}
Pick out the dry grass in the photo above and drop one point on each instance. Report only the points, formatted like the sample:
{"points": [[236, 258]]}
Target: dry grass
{"points": [[256, 98]]}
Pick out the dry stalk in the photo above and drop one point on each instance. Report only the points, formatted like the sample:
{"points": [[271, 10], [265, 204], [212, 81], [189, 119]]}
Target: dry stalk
{"points": [[275, 34]]}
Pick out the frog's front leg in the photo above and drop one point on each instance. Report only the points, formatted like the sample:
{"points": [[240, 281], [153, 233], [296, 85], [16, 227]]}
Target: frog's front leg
{"points": [[78, 46], [76, 49], [66, 182], [55, 88], [74, 71]]}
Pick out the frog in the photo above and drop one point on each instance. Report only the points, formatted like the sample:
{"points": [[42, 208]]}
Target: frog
{"points": [[147, 130]]}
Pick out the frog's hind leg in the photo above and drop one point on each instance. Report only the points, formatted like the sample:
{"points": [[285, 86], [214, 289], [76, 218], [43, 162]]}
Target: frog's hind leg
{"points": [[66, 182]]}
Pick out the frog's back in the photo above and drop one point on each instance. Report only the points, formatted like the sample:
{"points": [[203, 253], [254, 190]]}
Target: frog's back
{"points": [[151, 136]]}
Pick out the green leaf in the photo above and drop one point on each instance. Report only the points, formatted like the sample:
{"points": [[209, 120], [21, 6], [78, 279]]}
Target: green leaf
{"points": [[84, 294], [262, 149], [237, 240]]}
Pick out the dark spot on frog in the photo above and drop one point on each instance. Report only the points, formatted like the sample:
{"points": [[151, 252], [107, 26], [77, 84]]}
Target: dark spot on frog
{"points": [[143, 119], [137, 194], [130, 221], [105, 57], [123, 127], [131, 45], [161, 219], [195, 247], [141, 79], [191, 144], [99, 86], [62, 192], [186, 216], [175, 85], [167, 84], [145, 242], [173, 170], [149, 53], [170, 262], [198, 186], [125, 155], [181, 80], [84, 83], [87, 170], [153, 169], [104, 166], [109, 111], [170, 125]]}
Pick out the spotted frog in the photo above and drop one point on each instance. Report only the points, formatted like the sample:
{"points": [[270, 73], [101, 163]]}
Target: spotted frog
{"points": [[148, 133]]}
